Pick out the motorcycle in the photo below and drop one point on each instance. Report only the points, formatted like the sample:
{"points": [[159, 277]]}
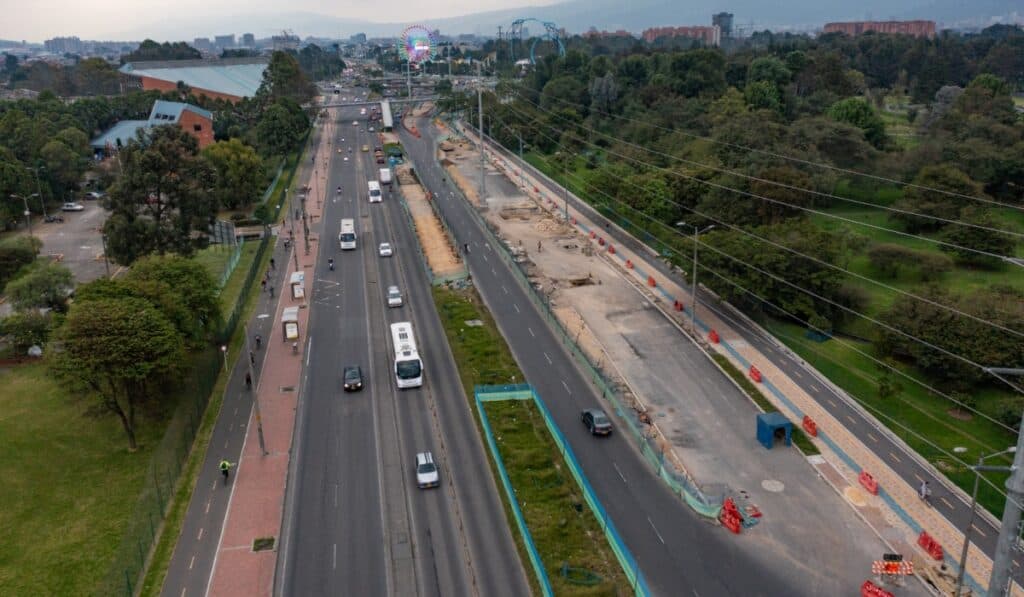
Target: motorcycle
{"points": [[330, 264]]}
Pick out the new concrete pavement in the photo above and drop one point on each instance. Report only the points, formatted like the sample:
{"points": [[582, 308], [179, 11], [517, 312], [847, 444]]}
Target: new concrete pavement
{"points": [[678, 554]]}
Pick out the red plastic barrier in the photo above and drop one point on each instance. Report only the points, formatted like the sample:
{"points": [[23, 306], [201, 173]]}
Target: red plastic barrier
{"points": [[677, 306], [713, 337], [870, 589], [574, 221], [810, 426], [651, 282], [611, 249], [755, 374], [536, 190], [600, 240], [730, 516], [593, 234], [930, 545], [629, 264], [868, 482]]}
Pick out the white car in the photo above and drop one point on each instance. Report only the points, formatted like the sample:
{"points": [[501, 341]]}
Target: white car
{"points": [[385, 250], [394, 296], [426, 471], [345, 158], [94, 195], [370, 129], [355, 123], [72, 207]]}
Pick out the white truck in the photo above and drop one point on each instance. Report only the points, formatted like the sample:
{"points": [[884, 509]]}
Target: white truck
{"points": [[374, 191], [385, 176]]}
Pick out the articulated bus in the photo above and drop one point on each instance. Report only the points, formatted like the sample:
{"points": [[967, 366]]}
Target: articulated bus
{"points": [[408, 368], [347, 236]]}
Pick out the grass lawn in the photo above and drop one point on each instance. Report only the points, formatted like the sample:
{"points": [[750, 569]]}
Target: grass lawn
{"points": [[914, 408], [562, 526], [69, 481]]}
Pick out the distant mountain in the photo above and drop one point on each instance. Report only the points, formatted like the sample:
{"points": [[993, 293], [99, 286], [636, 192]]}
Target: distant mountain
{"points": [[577, 16]]}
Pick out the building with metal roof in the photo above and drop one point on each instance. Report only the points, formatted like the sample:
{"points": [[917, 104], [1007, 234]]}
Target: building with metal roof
{"points": [[192, 119], [231, 79]]}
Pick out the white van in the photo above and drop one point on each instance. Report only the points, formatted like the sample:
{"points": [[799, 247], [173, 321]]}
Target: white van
{"points": [[347, 236], [385, 176], [375, 195]]}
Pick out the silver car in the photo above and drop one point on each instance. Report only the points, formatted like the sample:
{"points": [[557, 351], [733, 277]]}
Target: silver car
{"points": [[426, 471], [394, 296]]}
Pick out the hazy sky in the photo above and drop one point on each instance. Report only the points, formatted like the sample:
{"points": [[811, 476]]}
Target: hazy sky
{"points": [[36, 20]]}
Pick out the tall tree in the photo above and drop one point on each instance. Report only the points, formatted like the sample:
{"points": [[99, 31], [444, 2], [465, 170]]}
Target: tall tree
{"points": [[114, 351], [284, 79], [239, 173], [45, 285], [161, 200], [860, 114]]}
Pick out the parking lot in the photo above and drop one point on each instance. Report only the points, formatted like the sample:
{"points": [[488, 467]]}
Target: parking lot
{"points": [[77, 241]]}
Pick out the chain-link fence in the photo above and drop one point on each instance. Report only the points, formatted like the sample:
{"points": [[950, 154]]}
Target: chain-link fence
{"points": [[170, 455], [652, 450]]}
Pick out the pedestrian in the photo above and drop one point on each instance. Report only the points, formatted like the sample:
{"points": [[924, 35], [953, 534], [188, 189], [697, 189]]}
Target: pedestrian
{"points": [[465, 248], [539, 247], [252, 357], [259, 340], [925, 491], [263, 284], [248, 381], [271, 287], [272, 264], [225, 468]]}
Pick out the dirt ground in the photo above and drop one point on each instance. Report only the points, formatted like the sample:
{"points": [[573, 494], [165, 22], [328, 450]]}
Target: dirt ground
{"points": [[455, 155], [441, 256]]}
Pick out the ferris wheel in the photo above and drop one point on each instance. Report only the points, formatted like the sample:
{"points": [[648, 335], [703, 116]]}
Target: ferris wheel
{"points": [[517, 45]]}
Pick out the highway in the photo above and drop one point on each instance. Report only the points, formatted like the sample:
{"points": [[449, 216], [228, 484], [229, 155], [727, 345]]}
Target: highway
{"points": [[678, 553], [355, 522], [910, 466]]}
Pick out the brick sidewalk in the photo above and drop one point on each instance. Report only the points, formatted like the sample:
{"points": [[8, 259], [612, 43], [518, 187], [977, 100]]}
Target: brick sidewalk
{"points": [[880, 514], [257, 499]]}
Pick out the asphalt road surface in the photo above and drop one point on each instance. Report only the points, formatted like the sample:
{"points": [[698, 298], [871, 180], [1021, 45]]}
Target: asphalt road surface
{"points": [[677, 553], [355, 522], [906, 464]]}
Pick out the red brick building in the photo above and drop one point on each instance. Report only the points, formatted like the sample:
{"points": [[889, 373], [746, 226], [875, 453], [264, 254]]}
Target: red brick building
{"points": [[191, 119], [854, 28], [711, 36], [229, 79]]}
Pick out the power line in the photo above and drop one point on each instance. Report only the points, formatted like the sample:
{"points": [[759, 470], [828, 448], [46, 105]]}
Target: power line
{"points": [[815, 259], [882, 363], [783, 156], [781, 184], [779, 202]]}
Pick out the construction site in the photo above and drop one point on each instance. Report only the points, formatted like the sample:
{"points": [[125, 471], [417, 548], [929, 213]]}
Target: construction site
{"points": [[703, 425]]}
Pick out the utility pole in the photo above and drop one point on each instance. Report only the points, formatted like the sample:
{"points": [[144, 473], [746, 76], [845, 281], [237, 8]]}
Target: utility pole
{"points": [[480, 133], [106, 262], [255, 393], [497, 47], [974, 502], [1009, 530], [408, 78], [693, 294], [28, 213], [39, 189]]}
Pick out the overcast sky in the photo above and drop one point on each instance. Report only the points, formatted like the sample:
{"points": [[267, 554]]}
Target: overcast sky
{"points": [[36, 20]]}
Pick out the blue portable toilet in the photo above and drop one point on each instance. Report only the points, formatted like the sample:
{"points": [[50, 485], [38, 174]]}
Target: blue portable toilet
{"points": [[771, 426]]}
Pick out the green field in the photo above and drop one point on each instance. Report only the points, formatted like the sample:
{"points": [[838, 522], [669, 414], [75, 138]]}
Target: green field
{"points": [[69, 482], [562, 526]]}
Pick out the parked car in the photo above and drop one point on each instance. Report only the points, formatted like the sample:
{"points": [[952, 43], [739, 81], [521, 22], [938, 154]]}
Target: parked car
{"points": [[94, 195], [394, 296], [71, 206], [352, 378], [426, 471], [596, 421], [385, 250], [366, 148]]}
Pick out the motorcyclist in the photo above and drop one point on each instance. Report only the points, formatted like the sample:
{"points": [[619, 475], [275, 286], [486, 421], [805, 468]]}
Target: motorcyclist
{"points": [[339, 189], [330, 263]]}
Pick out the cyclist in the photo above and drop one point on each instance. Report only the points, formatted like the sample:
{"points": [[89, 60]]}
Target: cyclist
{"points": [[225, 469], [259, 340]]}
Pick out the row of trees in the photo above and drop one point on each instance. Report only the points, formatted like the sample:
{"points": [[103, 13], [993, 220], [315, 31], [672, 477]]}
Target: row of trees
{"points": [[718, 122]]}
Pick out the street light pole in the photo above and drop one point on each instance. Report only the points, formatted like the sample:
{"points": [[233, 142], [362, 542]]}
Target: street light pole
{"points": [[28, 212], [693, 294], [39, 188], [1009, 530], [255, 395], [978, 469], [480, 133], [106, 262]]}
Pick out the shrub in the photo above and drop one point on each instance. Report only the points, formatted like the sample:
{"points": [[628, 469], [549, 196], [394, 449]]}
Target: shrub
{"points": [[16, 253], [26, 329]]}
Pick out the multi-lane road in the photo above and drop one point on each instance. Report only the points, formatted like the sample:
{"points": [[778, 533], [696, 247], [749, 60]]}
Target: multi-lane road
{"points": [[355, 522], [677, 553]]}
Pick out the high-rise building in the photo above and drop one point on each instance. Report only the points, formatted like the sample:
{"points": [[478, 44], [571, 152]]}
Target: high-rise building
{"points": [[202, 44], [711, 36], [358, 38], [64, 45], [224, 41], [249, 40], [723, 21]]}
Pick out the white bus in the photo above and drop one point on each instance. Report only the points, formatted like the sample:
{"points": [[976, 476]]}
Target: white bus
{"points": [[374, 187], [408, 368], [347, 236]]}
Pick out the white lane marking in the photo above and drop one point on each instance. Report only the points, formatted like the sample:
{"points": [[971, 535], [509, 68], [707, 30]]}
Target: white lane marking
{"points": [[945, 501], [566, 386], [200, 536], [335, 495], [873, 438], [529, 329], [505, 289], [485, 257], [981, 532], [493, 272], [655, 529], [208, 506], [334, 558], [309, 345], [182, 592], [797, 373], [834, 405], [894, 457], [516, 307], [621, 476], [814, 387], [548, 358], [191, 562]]}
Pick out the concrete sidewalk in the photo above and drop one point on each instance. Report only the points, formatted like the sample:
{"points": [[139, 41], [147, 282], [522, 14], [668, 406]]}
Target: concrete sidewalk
{"points": [[257, 498], [843, 453]]}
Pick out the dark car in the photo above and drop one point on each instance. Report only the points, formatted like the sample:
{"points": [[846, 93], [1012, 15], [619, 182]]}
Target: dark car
{"points": [[353, 378], [596, 421]]}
